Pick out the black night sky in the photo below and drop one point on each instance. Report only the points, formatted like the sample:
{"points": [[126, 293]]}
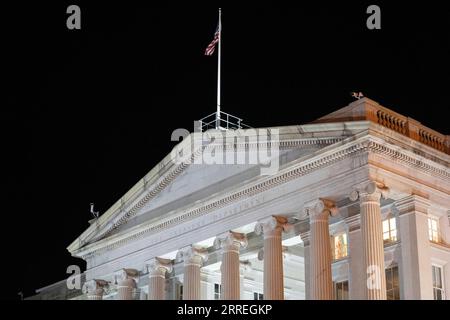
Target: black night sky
{"points": [[86, 113]]}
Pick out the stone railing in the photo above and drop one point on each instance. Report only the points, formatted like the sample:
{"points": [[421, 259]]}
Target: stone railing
{"points": [[367, 109], [413, 129]]}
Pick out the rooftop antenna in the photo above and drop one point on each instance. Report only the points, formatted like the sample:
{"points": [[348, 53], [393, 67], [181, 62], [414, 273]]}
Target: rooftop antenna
{"points": [[94, 213]]}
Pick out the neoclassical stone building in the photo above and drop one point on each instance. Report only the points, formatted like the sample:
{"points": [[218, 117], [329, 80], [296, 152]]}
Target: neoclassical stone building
{"points": [[358, 209]]}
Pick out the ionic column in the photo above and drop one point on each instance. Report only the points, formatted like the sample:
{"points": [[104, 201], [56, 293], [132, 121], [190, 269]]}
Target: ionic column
{"points": [[193, 260], [230, 243], [126, 283], [273, 256], [157, 269], [95, 289], [372, 239], [321, 283]]}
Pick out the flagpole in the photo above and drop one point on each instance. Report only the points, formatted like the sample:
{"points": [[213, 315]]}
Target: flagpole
{"points": [[218, 71]]}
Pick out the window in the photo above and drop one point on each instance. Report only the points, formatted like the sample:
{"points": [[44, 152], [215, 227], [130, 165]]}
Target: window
{"points": [[433, 229], [392, 283], [180, 292], [258, 296], [389, 230], [341, 290], [339, 246], [217, 290], [438, 288]]}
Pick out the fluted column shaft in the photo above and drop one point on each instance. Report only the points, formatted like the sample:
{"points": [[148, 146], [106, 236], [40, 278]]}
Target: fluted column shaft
{"points": [[273, 265], [157, 285], [373, 247], [191, 286], [230, 272], [321, 283], [272, 229], [230, 243], [125, 289], [157, 269], [193, 257], [320, 255]]}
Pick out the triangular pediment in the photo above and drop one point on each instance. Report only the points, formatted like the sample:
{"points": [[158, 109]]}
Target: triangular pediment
{"points": [[170, 186]]}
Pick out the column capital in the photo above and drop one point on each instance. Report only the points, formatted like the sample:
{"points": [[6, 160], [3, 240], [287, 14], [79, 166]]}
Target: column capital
{"points": [[192, 255], [159, 266], [231, 241], [369, 191], [126, 274], [267, 225], [96, 287], [320, 209]]}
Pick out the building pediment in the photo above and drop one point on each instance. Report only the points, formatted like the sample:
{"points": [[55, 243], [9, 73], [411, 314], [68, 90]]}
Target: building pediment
{"points": [[171, 185], [175, 185]]}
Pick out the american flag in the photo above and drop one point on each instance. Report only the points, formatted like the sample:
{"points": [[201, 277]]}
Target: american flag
{"points": [[212, 46]]}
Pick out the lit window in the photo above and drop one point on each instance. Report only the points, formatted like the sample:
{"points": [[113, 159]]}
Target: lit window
{"points": [[392, 283], [438, 288], [339, 246], [258, 296], [217, 289], [389, 230], [433, 229], [341, 290]]}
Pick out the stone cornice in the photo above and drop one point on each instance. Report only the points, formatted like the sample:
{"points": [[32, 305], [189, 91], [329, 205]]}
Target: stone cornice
{"points": [[303, 166], [409, 158]]}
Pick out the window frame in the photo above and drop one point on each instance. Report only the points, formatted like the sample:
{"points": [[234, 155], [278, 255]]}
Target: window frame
{"points": [[258, 295], [441, 273], [392, 228], [390, 269], [334, 249], [431, 232], [217, 294], [335, 287], [180, 291]]}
